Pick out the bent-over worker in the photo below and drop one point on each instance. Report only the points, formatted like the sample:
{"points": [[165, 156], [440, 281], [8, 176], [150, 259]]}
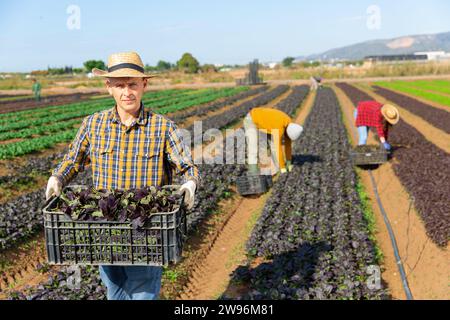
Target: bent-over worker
{"points": [[316, 83], [374, 114], [279, 126]]}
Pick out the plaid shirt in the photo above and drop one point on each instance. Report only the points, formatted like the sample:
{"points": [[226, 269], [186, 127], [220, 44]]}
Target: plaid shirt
{"points": [[369, 115], [145, 153]]}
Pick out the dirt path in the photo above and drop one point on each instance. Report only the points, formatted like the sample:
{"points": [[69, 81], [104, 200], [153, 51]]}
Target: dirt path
{"points": [[368, 86], [306, 107], [18, 266], [198, 246], [211, 277], [426, 264], [11, 141], [431, 133]]}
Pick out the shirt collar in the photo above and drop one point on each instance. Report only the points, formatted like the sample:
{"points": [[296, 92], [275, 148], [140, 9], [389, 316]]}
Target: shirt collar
{"points": [[142, 119]]}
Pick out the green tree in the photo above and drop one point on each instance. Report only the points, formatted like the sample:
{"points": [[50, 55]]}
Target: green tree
{"points": [[287, 62], [149, 68], [78, 70], [90, 64], [188, 64], [208, 68], [163, 65]]}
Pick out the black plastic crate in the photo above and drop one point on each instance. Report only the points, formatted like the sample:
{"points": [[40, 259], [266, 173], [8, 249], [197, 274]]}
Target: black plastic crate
{"points": [[159, 242], [376, 156], [253, 184], [269, 181]]}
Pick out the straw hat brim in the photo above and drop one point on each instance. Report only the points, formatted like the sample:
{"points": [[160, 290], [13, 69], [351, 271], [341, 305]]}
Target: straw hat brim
{"points": [[384, 111], [121, 73]]}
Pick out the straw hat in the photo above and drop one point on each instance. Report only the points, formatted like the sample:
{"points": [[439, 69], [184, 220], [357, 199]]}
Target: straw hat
{"points": [[390, 113], [125, 64]]}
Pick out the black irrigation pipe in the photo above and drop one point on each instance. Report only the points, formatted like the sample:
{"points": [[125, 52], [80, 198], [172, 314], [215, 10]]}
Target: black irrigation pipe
{"points": [[401, 269]]}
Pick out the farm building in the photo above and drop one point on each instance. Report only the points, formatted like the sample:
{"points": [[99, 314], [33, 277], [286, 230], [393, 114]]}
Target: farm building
{"points": [[397, 57]]}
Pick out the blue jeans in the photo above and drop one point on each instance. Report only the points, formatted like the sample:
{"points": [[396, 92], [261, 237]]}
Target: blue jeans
{"points": [[131, 282], [362, 131]]}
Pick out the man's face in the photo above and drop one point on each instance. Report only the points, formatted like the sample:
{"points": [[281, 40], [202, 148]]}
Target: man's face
{"points": [[127, 92]]}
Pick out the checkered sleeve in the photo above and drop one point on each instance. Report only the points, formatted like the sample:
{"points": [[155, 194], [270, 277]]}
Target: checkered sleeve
{"points": [[179, 155], [76, 158]]}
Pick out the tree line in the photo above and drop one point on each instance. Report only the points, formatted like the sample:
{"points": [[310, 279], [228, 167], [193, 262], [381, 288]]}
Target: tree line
{"points": [[187, 63]]}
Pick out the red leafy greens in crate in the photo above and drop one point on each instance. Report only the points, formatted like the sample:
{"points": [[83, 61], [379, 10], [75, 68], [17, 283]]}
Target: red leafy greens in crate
{"points": [[135, 206]]}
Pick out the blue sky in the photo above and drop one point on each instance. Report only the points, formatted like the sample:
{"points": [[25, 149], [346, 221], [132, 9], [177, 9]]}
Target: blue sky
{"points": [[34, 34]]}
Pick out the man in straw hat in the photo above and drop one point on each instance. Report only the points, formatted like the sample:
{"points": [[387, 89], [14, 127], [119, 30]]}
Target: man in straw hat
{"points": [[374, 114], [128, 147]]}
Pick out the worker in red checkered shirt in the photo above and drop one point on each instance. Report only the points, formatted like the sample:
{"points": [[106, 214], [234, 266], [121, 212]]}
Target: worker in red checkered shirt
{"points": [[374, 114]]}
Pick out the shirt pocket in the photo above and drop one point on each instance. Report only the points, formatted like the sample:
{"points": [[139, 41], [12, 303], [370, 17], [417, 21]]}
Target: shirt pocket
{"points": [[151, 147], [102, 156]]}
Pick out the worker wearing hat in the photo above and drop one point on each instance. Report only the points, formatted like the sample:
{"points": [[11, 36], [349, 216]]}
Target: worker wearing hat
{"points": [[277, 124], [128, 147], [374, 114]]}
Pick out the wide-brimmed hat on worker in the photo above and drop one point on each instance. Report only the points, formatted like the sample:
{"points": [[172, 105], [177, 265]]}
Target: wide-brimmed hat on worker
{"points": [[121, 65], [390, 113]]}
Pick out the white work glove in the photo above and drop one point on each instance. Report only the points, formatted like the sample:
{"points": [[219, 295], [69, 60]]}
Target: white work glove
{"points": [[189, 193], [54, 187]]}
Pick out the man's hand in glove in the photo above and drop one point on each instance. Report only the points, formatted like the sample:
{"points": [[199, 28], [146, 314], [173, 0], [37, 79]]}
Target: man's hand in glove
{"points": [[387, 146], [189, 193], [54, 187]]}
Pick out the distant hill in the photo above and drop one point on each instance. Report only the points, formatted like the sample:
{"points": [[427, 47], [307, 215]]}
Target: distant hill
{"points": [[402, 45]]}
